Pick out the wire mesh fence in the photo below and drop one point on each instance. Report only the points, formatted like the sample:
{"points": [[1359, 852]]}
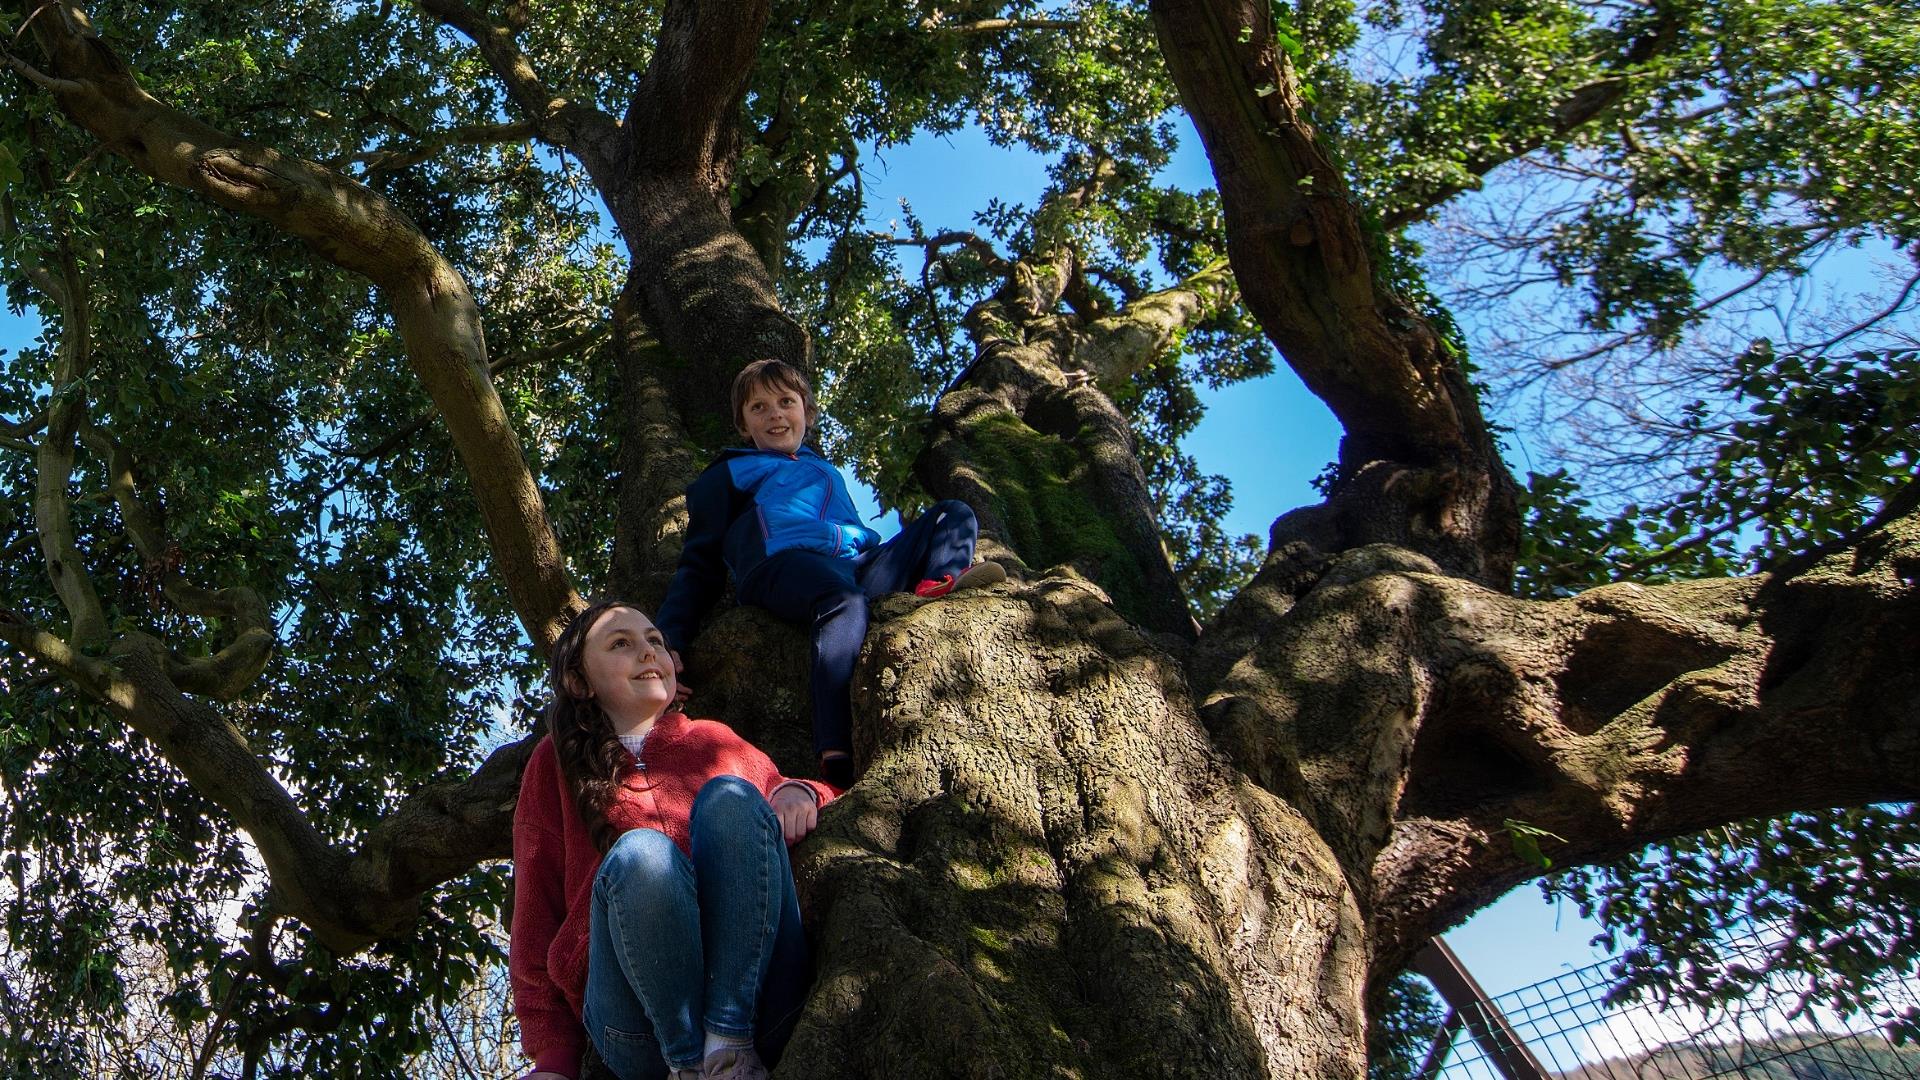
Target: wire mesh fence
{"points": [[1569, 1028]]}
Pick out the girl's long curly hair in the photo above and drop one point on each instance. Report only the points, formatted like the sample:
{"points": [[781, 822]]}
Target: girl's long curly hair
{"points": [[590, 753]]}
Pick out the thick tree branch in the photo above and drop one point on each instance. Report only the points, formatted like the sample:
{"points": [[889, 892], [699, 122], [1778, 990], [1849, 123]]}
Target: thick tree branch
{"points": [[1041, 459], [24, 429], [683, 115], [91, 675], [349, 899], [698, 282], [1412, 715], [66, 412], [1580, 107], [1301, 258], [358, 229], [1120, 346]]}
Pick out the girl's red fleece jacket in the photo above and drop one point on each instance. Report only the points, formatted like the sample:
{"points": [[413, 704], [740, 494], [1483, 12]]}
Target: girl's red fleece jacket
{"points": [[554, 862]]}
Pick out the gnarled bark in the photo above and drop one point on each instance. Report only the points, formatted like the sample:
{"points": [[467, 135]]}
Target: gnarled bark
{"points": [[1046, 847], [1410, 715]]}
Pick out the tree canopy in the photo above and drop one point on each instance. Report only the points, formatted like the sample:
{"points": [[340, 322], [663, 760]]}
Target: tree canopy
{"points": [[375, 336]]}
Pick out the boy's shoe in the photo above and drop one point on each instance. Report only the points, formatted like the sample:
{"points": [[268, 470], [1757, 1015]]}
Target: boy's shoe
{"points": [[734, 1063], [980, 574], [837, 771]]}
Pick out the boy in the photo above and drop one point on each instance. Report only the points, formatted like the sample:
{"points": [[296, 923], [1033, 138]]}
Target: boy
{"points": [[778, 517]]}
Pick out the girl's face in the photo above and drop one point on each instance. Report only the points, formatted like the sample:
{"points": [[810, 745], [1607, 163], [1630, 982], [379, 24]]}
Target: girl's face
{"points": [[627, 669]]}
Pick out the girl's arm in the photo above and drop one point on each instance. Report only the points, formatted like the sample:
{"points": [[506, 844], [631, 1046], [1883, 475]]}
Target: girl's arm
{"points": [[549, 1031], [796, 802]]}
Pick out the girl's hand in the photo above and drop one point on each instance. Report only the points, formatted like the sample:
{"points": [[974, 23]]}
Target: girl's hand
{"points": [[794, 805]]}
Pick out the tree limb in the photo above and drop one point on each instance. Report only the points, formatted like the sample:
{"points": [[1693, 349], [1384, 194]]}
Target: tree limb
{"points": [[585, 130], [991, 26], [1120, 346], [56, 653], [1302, 260], [391, 159], [358, 229], [349, 899], [1412, 715], [228, 673], [66, 413], [981, 247], [1582, 106], [681, 119], [701, 286]]}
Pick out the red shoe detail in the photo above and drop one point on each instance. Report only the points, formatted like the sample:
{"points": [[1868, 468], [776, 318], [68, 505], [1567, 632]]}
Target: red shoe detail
{"points": [[931, 588]]}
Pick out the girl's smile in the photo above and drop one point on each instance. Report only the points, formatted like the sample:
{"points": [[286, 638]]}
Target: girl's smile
{"points": [[627, 669]]}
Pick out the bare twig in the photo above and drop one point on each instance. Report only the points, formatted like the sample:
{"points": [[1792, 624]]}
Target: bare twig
{"points": [[39, 78], [1888, 312], [972, 241], [994, 26], [391, 159]]}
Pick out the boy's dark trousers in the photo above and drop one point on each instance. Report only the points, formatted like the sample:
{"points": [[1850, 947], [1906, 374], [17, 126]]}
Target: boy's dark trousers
{"points": [[830, 595]]}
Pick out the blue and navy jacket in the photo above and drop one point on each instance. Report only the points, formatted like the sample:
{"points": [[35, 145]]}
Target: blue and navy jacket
{"points": [[746, 506]]}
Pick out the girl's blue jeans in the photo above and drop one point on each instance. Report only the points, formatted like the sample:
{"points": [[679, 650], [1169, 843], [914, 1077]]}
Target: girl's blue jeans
{"points": [[681, 946]]}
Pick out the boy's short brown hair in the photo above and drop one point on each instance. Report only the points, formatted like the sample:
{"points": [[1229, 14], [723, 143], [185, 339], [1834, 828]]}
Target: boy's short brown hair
{"points": [[770, 375]]}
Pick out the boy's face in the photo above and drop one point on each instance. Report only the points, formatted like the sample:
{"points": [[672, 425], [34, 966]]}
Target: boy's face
{"points": [[775, 418]]}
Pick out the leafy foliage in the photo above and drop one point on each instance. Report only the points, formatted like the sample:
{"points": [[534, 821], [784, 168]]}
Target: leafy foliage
{"points": [[1835, 894], [1407, 1022], [1819, 447]]}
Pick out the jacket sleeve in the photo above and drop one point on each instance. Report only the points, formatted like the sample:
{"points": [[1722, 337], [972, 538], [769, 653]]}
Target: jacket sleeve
{"points": [[854, 539], [702, 574], [850, 536], [549, 1031]]}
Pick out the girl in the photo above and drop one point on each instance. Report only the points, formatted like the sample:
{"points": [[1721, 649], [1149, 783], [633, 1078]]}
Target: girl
{"points": [[654, 911]]}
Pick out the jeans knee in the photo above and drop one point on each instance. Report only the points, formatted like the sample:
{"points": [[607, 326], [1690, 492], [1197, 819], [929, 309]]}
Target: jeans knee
{"points": [[729, 804], [959, 512], [639, 859]]}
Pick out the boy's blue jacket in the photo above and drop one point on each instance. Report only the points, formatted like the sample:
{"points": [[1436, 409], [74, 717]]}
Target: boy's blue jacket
{"points": [[748, 505]]}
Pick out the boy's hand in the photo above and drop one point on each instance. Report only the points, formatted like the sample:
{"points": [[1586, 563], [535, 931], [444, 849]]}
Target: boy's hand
{"points": [[794, 805], [681, 691]]}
